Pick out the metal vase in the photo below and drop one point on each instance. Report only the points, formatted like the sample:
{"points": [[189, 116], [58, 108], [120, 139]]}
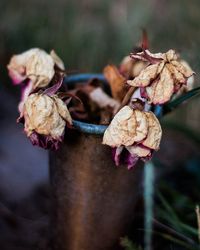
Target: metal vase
{"points": [[93, 200]]}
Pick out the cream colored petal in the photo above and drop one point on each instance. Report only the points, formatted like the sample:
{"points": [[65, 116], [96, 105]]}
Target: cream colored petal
{"points": [[63, 110], [122, 129], [141, 125], [183, 68], [126, 65], [154, 135], [178, 77], [17, 65], [41, 115], [40, 69], [139, 151], [103, 100], [161, 90], [146, 76], [170, 55], [137, 67], [57, 60]]}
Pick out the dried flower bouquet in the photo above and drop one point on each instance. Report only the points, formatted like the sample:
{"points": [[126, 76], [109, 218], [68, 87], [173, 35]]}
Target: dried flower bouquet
{"points": [[143, 82]]}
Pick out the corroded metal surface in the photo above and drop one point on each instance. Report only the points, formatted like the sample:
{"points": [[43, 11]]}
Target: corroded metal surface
{"points": [[93, 200]]}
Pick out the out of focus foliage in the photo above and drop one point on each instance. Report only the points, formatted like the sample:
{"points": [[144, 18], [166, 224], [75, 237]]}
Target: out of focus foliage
{"points": [[88, 34]]}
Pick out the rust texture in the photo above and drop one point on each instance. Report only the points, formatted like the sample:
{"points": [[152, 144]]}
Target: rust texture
{"points": [[93, 199]]}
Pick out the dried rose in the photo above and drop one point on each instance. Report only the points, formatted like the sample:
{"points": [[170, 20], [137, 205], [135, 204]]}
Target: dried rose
{"points": [[116, 82], [45, 119], [134, 135], [35, 69], [163, 77]]}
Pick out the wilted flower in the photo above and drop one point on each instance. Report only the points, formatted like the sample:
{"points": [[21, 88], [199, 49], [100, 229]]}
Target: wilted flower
{"points": [[34, 69], [45, 119], [133, 135], [164, 75]]}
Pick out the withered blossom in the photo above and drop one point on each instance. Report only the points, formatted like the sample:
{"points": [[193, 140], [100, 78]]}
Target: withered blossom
{"points": [[33, 69], [45, 118], [164, 75], [133, 134]]}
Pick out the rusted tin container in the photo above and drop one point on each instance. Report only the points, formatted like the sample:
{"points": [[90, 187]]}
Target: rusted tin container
{"points": [[93, 200]]}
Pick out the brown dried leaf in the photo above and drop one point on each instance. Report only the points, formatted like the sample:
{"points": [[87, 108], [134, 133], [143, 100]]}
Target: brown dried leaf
{"points": [[154, 135], [116, 81]]}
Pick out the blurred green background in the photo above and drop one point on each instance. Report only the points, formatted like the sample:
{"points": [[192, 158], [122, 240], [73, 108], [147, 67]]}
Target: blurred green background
{"points": [[88, 34]]}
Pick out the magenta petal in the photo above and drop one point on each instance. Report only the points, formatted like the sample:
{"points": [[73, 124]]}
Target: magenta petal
{"points": [[52, 90], [34, 137], [131, 160], [143, 93], [46, 142], [16, 78], [116, 153]]}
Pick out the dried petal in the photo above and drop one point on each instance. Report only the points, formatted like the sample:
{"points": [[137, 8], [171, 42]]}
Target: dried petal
{"points": [[147, 56], [116, 81], [17, 66], [186, 71], [58, 62], [116, 154], [154, 135], [103, 100], [139, 151], [138, 66], [126, 66], [122, 129], [162, 89], [141, 125], [40, 69], [146, 76], [45, 116]]}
